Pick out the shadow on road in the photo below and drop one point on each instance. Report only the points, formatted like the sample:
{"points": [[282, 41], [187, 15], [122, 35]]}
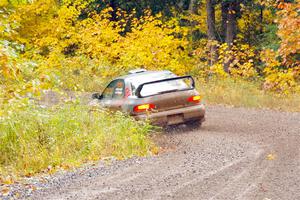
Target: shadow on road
{"points": [[183, 128], [178, 129]]}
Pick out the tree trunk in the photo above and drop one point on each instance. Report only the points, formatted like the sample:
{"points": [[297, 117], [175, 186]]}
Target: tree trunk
{"points": [[231, 24], [192, 6], [211, 32], [231, 29], [113, 5], [224, 10], [181, 4], [261, 19]]}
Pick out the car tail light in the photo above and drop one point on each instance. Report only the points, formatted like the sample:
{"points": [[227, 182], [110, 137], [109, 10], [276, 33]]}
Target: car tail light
{"points": [[195, 99], [143, 107]]}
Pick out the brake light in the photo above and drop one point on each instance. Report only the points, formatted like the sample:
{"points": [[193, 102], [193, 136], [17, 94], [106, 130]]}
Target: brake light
{"points": [[143, 107], [195, 99]]}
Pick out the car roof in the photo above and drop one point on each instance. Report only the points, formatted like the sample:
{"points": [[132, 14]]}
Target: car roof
{"points": [[147, 76]]}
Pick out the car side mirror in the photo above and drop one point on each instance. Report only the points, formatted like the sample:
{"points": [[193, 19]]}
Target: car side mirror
{"points": [[97, 96]]}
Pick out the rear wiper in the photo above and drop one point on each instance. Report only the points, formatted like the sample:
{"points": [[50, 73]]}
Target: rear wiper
{"points": [[168, 91]]}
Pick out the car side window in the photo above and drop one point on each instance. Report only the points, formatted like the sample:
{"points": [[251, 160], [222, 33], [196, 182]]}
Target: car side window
{"points": [[108, 91], [119, 90], [115, 90]]}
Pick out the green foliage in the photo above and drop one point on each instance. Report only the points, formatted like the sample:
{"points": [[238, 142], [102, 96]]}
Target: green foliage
{"points": [[33, 138], [138, 6], [269, 39]]}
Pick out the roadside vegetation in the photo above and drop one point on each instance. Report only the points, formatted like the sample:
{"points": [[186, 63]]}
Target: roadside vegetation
{"points": [[244, 53], [241, 93], [36, 139]]}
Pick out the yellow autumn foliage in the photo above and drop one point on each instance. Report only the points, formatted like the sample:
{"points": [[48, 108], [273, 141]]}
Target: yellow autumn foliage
{"points": [[277, 78], [60, 50], [240, 58], [45, 44], [282, 70]]}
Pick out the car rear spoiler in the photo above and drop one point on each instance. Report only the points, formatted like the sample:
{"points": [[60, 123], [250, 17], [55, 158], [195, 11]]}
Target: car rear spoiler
{"points": [[139, 89]]}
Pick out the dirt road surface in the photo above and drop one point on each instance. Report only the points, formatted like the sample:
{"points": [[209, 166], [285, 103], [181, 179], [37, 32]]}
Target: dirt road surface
{"points": [[237, 154]]}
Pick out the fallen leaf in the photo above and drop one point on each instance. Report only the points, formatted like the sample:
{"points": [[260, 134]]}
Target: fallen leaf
{"points": [[31, 188], [43, 180], [17, 195], [5, 191], [8, 181], [271, 156], [65, 166], [155, 151], [29, 174], [34, 188]]}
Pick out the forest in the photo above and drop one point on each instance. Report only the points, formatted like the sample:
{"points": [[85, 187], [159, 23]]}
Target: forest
{"points": [[76, 44], [242, 53]]}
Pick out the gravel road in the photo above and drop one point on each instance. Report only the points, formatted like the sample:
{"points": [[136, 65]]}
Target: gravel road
{"points": [[237, 154]]}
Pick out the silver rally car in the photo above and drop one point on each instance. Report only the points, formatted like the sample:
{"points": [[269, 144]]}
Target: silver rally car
{"points": [[160, 96]]}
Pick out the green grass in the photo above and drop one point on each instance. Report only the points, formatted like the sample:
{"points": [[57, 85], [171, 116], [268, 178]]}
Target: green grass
{"points": [[33, 138], [241, 93]]}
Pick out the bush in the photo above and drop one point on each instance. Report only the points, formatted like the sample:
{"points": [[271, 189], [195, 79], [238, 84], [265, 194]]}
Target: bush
{"points": [[33, 138]]}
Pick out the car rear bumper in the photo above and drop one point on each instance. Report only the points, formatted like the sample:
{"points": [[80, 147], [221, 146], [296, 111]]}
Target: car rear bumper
{"points": [[175, 116]]}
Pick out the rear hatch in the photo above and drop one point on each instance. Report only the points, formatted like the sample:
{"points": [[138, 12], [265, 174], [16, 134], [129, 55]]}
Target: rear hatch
{"points": [[168, 94], [172, 100]]}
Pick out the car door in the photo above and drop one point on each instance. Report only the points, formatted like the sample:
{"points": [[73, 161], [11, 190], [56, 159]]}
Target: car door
{"points": [[113, 95]]}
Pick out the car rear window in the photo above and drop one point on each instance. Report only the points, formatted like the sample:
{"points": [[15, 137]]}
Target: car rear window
{"points": [[159, 87], [164, 87], [138, 80]]}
